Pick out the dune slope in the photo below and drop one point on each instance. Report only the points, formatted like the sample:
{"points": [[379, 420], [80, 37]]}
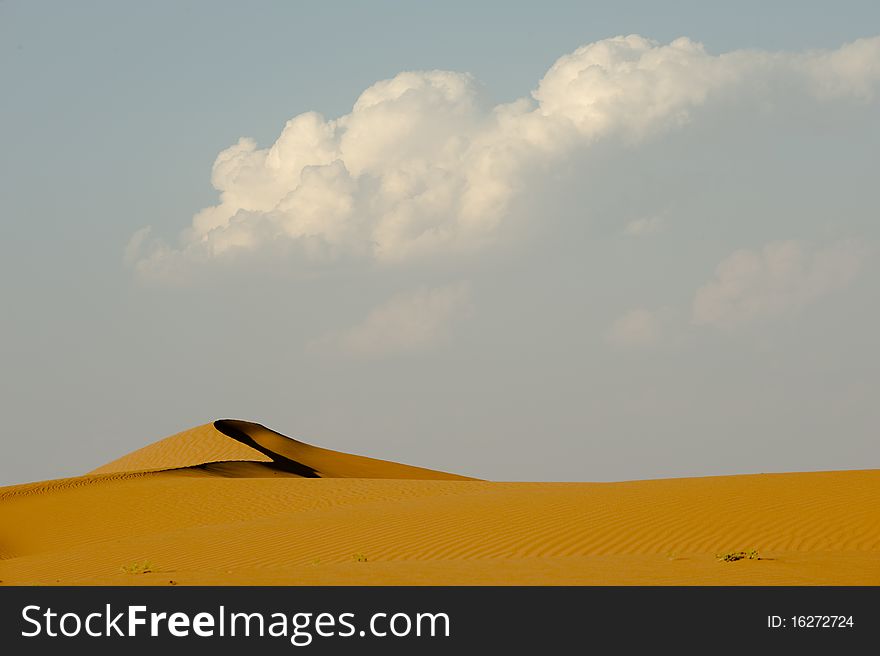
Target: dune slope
{"points": [[236, 503]]}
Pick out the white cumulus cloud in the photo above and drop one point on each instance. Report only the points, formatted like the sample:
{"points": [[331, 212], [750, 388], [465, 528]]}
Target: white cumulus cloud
{"points": [[424, 164]]}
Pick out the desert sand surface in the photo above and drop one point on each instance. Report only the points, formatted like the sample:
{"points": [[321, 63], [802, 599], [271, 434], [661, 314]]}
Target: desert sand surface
{"points": [[233, 502]]}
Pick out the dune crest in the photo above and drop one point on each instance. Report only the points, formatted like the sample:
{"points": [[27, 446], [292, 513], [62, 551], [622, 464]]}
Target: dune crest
{"points": [[243, 449], [189, 448]]}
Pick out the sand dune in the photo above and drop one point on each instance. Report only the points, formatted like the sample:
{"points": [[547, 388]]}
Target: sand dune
{"points": [[232, 447], [236, 503]]}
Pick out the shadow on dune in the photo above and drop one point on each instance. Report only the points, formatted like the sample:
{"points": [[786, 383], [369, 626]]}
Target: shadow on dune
{"points": [[290, 457], [242, 431]]}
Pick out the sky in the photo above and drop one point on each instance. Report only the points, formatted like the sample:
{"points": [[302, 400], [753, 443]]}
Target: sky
{"points": [[562, 241]]}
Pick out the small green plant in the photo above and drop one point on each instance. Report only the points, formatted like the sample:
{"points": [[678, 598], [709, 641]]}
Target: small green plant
{"points": [[359, 558], [138, 568], [733, 556]]}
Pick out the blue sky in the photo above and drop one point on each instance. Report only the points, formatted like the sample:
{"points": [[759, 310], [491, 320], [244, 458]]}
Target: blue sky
{"points": [[606, 317]]}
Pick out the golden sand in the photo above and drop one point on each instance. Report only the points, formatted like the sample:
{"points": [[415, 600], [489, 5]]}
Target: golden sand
{"points": [[235, 503]]}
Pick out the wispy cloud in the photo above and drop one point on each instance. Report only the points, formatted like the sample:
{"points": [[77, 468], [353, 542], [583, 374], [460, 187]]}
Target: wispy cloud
{"points": [[780, 277], [639, 328], [406, 323], [645, 226]]}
